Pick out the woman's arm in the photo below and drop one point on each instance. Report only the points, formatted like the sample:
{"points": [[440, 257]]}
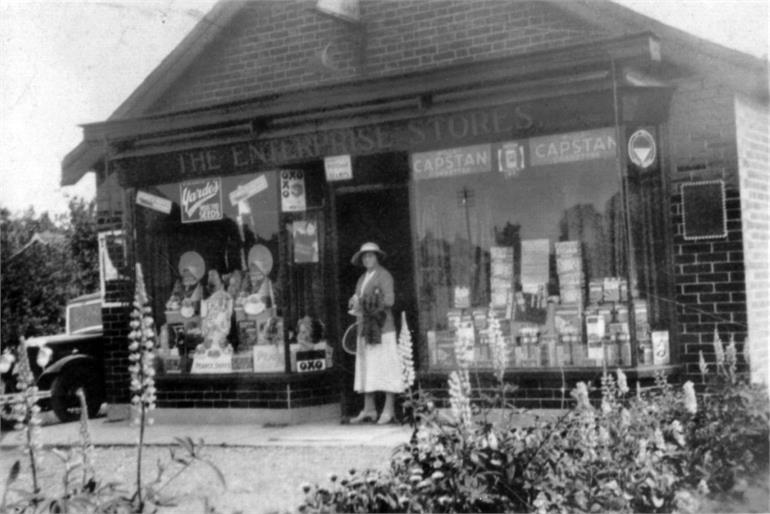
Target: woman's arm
{"points": [[386, 285]]}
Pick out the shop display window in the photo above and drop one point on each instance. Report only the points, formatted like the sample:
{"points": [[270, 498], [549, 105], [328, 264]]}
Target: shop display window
{"points": [[232, 264], [542, 247]]}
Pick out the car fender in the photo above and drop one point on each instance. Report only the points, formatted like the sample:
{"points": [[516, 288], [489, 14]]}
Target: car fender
{"points": [[51, 372]]}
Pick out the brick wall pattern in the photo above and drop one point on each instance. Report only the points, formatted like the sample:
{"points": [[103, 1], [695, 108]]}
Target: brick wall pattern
{"points": [[276, 46], [709, 274], [752, 127]]}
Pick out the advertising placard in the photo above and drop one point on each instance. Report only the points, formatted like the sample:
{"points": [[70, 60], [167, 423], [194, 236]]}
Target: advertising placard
{"points": [[452, 162], [201, 200], [156, 203], [338, 167], [586, 145], [249, 189], [293, 191]]}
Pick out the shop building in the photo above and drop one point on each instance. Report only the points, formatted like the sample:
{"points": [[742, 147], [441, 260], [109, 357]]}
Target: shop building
{"points": [[594, 179]]}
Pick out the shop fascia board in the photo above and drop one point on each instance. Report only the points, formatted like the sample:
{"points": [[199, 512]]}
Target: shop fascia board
{"points": [[642, 50], [286, 127]]}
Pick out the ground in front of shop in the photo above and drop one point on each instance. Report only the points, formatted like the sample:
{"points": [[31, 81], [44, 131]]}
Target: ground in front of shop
{"points": [[259, 479]]}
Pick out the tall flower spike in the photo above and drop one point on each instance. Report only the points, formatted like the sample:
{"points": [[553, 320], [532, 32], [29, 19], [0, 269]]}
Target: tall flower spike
{"points": [[702, 366], [498, 346], [690, 400], [622, 381], [719, 351], [460, 396], [405, 354]]}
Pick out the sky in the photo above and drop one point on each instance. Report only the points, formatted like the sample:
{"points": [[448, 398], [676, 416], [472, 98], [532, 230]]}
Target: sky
{"points": [[68, 62]]}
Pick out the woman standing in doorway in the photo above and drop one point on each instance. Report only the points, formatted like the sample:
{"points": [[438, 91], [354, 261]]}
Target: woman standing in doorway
{"points": [[377, 362]]}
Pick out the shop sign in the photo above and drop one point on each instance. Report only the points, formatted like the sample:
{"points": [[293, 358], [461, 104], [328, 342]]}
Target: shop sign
{"points": [[586, 145], [212, 362], [510, 158], [247, 190], [292, 191], [338, 167], [153, 202], [641, 148], [201, 200], [452, 162]]}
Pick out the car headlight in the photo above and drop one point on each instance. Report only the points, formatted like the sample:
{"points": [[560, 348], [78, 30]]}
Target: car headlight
{"points": [[6, 361], [44, 356]]}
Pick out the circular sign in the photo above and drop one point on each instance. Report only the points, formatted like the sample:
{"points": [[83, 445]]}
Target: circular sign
{"points": [[641, 148]]}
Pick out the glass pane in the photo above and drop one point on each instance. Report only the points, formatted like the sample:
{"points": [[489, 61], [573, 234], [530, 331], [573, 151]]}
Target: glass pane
{"points": [[542, 250]]}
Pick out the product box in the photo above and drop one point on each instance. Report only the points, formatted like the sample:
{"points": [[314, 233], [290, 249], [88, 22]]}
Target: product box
{"points": [[579, 353], [562, 355], [443, 348], [660, 347], [453, 317], [640, 312], [243, 362], [571, 295], [567, 248], [595, 327], [596, 291], [570, 264], [611, 289], [625, 353]]}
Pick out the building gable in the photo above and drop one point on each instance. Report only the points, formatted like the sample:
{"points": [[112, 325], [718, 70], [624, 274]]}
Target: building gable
{"points": [[277, 46]]}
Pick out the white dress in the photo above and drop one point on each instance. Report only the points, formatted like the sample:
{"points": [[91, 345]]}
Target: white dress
{"points": [[378, 367]]}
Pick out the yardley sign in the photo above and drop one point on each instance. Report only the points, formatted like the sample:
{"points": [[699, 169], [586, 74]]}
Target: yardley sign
{"points": [[456, 129]]}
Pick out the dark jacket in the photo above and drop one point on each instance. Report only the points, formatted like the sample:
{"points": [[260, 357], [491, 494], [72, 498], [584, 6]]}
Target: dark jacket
{"points": [[376, 316]]}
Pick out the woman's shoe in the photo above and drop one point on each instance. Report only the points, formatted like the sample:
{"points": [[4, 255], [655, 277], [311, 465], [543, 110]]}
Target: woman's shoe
{"points": [[364, 417], [385, 419]]}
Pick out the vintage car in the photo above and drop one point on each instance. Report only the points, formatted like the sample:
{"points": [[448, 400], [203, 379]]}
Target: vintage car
{"points": [[62, 363]]}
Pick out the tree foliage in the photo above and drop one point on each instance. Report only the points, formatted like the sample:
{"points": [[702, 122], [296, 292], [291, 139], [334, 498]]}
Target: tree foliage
{"points": [[45, 262]]}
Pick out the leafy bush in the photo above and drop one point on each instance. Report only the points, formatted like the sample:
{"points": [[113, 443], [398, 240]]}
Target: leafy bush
{"points": [[652, 452]]}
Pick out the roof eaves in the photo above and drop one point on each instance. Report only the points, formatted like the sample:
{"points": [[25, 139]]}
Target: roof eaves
{"points": [[86, 155]]}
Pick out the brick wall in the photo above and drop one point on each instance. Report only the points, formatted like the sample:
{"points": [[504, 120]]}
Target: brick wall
{"points": [[752, 126], [709, 274], [252, 391], [273, 46]]}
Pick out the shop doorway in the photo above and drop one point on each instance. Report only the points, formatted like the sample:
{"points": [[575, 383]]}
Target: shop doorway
{"points": [[381, 214]]}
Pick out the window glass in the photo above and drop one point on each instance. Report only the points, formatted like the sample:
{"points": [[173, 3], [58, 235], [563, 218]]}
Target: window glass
{"points": [[542, 249], [219, 268]]}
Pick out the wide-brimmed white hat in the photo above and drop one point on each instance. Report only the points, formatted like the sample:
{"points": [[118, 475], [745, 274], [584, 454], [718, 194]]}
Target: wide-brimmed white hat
{"points": [[365, 248], [192, 262]]}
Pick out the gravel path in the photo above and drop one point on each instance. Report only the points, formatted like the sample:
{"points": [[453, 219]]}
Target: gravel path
{"points": [[259, 480]]}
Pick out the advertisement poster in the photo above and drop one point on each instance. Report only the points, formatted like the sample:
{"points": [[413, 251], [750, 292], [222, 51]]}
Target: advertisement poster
{"points": [[305, 235], [573, 147], [452, 162], [293, 191], [201, 200]]}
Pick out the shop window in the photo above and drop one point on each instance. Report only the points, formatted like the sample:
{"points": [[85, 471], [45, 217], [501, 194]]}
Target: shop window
{"points": [[541, 244], [232, 264]]}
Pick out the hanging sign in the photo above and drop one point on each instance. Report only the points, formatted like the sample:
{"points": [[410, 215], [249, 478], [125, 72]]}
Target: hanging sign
{"points": [[293, 191], [156, 203], [338, 167], [586, 145], [641, 148], [201, 200], [452, 162], [247, 190]]}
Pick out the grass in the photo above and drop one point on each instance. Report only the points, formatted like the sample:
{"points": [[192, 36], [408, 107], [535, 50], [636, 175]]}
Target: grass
{"points": [[259, 479]]}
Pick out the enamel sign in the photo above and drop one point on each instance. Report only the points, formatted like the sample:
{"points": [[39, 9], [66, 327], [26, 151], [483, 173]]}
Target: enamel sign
{"points": [[293, 191], [641, 148], [201, 200]]}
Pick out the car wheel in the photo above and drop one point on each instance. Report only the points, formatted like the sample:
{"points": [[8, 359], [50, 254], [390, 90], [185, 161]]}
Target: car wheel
{"points": [[64, 400]]}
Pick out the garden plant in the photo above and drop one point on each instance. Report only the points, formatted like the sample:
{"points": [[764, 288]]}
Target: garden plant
{"points": [[666, 449]]}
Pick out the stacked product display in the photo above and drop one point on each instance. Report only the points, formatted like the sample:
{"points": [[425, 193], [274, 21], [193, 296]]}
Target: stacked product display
{"points": [[585, 325]]}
